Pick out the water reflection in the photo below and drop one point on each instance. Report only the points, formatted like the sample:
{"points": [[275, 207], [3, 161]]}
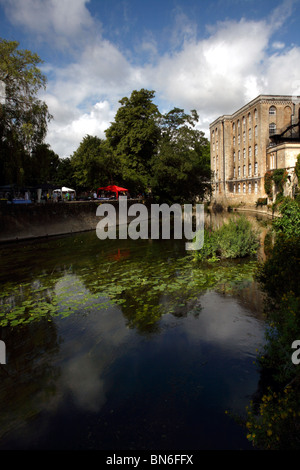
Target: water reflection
{"points": [[135, 355]]}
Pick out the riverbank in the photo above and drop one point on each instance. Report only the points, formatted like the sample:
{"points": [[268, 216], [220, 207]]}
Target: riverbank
{"points": [[263, 209], [20, 222], [30, 221]]}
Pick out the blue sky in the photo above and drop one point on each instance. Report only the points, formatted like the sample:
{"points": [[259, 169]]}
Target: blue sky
{"points": [[209, 55]]}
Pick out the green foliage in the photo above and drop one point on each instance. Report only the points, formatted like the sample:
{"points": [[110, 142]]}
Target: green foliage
{"points": [[297, 169], [93, 164], [145, 291], [44, 165], [268, 183], [275, 426], [181, 169], [274, 422], [235, 239], [133, 138], [23, 116], [279, 177], [289, 220], [261, 201]]}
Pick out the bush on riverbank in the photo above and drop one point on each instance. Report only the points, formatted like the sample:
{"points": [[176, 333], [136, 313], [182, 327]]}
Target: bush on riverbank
{"points": [[234, 239], [274, 421]]}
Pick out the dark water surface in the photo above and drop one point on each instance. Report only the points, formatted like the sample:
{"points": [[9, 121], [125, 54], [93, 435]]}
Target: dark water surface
{"points": [[125, 345]]}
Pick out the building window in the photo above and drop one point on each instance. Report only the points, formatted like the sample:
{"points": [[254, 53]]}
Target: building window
{"points": [[255, 131], [239, 154], [255, 114], [255, 150], [244, 121], [239, 188], [244, 136], [234, 189], [249, 118], [250, 152], [234, 141], [234, 156], [272, 111], [255, 168], [234, 171], [239, 171], [239, 139], [244, 188], [249, 188], [250, 133], [238, 124], [244, 153], [272, 128], [250, 169], [255, 187], [233, 127]]}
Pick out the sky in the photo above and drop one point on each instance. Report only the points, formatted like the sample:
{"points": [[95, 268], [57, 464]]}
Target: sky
{"points": [[210, 55]]}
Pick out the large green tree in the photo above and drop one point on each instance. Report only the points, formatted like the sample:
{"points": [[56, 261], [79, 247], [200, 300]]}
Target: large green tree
{"points": [[93, 163], [23, 116], [181, 169], [133, 137]]}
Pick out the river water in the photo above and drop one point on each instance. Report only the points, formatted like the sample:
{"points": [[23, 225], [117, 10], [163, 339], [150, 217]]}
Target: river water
{"points": [[121, 344]]}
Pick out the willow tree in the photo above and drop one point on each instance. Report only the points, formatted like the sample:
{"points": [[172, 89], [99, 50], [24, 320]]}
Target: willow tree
{"points": [[23, 116]]}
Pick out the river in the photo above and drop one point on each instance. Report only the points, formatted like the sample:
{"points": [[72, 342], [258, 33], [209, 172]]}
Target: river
{"points": [[123, 344]]}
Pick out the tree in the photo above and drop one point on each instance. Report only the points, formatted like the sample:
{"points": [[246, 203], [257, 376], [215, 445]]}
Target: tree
{"points": [[44, 164], [23, 117], [133, 138], [93, 163], [64, 174], [181, 169]]}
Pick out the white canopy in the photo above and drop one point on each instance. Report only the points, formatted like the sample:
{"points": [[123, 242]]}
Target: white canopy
{"points": [[65, 190]]}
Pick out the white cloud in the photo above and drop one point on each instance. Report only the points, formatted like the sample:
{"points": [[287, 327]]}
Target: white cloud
{"points": [[215, 75], [62, 22]]}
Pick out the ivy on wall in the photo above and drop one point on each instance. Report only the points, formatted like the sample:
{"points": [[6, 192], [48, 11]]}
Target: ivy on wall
{"points": [[278, 177]]}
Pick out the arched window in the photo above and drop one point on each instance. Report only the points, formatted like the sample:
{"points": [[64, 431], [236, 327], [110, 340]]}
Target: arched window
{"points": [[272, 110], [272, 128]]}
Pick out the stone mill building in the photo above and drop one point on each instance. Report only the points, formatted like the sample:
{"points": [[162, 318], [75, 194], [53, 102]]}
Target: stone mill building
{"points": [[261, 136]]}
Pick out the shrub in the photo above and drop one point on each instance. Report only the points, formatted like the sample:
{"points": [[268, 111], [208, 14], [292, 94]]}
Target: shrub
{"points": [[235, 239], [289, 222], [261, 201]]}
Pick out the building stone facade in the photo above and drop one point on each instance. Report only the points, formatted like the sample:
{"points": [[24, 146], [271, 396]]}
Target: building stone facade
{"points": [[263, 135]]}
